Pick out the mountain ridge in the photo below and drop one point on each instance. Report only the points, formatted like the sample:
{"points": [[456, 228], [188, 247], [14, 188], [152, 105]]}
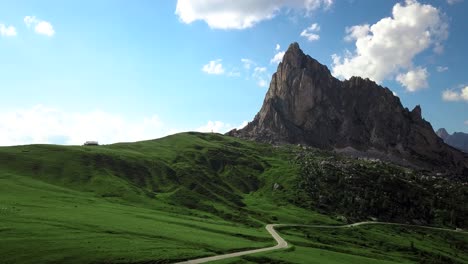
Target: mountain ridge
{"points": [[306, 105], [457, 140]]}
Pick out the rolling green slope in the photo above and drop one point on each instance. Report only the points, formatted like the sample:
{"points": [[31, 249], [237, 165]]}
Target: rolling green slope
{"points": [[43, 223], [365, 244], [180, 197], [204, 172]]}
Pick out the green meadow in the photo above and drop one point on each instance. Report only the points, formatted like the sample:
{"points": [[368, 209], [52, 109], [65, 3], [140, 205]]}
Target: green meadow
{"points": [[365, 244], [184, 196]]}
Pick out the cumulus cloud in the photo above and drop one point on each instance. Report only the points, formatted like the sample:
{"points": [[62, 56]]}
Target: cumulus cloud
{"points": [[442, 68], [278, 57], [219, 127], [41, 27], [388, 47], [456, 95], [310, 33], [7, 31], [214, 67], [356, 32], [240, 14], [413, 80], [278, 47]]}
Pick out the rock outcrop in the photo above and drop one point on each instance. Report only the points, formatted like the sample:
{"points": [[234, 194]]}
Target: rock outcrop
{"points": [[457, 140], [306, 105], [442, 133]]}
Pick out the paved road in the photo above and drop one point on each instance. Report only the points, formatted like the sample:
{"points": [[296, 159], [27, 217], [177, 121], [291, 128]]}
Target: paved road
{"points": [[281, 243]]}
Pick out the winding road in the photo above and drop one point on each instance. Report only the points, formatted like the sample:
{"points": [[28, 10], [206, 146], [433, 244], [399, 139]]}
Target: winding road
{"points": [[281, 243]]}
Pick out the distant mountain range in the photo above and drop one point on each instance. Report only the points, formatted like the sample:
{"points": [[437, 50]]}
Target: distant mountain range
{"points": [[457, 140], [306, 105]]}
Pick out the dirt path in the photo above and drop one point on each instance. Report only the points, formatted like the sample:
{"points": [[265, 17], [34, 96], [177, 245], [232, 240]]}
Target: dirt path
{"points": [[281, 243]]}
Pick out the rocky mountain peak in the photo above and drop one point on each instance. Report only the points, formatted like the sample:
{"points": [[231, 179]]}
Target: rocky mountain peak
{"points": [[457, 140], [442, 133], [306, 105], [416, 113], [295, 58]]}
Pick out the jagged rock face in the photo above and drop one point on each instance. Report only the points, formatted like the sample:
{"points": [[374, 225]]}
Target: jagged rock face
{"points": [[442, 133], [305, 104], [457, 140]]}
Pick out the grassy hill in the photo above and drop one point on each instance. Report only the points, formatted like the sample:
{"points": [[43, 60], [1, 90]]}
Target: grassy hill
{"points": [[183, 196], [365, 244]]}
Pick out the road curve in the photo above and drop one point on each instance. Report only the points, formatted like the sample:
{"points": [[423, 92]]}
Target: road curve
{"points": [[281, 243]]}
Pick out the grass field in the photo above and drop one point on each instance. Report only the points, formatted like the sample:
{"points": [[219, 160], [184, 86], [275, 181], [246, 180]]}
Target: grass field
{"points": [[180, 197], [44, 223], [171, 199], [365, 244]]}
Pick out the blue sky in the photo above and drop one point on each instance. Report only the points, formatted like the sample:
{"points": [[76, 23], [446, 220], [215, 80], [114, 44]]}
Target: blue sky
{"points": [[131, 70]]}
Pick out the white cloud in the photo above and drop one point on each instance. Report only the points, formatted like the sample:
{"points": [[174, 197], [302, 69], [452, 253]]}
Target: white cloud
{"points": [[356, 32], [442, 68], [45, 125], [262, 83], [438, 48], [260, 69], [30, 20], [310, 32], [214, 126], [450, 95], [261, 76], [242, 125], [413, 80], [455, 95], [219, 127], [7, 31], [44, 28], [452, 2], [278, 57], [41, 124], [240, 14], [278, 47], [40, 26], [234, 73], [389, 46], [247, 63], [214, 67]]}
